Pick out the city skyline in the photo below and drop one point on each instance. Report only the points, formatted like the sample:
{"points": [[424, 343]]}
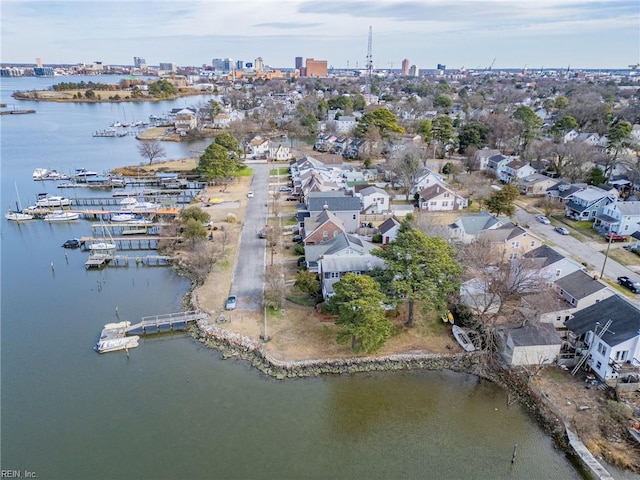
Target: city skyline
{"points": [[459, 33]]}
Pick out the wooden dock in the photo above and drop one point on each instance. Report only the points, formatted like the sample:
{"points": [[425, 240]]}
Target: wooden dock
{"points": [[165, 323], [145, 242], [101, 260]]}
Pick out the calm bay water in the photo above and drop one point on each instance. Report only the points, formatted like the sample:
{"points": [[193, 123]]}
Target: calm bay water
{"points": [[174, 409]]}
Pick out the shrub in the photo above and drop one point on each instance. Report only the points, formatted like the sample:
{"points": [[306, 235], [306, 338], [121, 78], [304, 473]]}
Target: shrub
{"points": [[231, 218]]}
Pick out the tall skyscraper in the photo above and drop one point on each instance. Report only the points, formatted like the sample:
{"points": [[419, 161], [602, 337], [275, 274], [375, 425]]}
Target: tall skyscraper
{"points": [[414, 71], [258, 65], [139, 62], [298, 63], [38, 62], [239, 64], [405, 67]]}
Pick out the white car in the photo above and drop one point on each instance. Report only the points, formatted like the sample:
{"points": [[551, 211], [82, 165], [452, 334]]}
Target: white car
{"points": [[543, 219], [250, 194]]}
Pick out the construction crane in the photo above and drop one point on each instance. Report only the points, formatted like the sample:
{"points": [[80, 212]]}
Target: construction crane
{"points": [[634, 67], [491, 66], [369, 61]]}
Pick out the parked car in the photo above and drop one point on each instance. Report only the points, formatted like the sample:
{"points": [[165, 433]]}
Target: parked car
{"points": [[543, 219], [285, 189], [292, 198], [231, 302], [561, 230], [615, 237], [262, 234], [632, 285], [296, 238], [250, 194]]}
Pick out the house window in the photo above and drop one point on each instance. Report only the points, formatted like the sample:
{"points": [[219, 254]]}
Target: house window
{"points": [[512, 256], [601, 348], [598, 365], [626, 227], [621, 355], [558, 272], [515, 244], [446, 195], [433, 203], [573, 301], [325, 234], [354, 216], [444, 204], [533, 243]]}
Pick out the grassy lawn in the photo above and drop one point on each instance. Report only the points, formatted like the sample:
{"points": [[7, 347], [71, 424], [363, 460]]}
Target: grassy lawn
{"points": [[244, 172], [623, 257], [279, 171]]}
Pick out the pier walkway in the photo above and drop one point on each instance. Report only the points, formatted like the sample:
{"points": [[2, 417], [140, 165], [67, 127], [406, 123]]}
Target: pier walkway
{"points": [[166, 322]]}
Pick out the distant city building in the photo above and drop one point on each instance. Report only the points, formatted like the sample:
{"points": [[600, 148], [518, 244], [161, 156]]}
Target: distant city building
{"points": [[315, 68], [168, 67], [43, 71], [442, 67], [12, 72], [258, 65], [217, 64], [139, 62], [413, 71], [38, 62], [405, 67], [227, 65], [239, 64], [298, 63]]}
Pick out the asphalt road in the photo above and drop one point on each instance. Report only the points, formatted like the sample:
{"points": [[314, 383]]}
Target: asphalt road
{"points": [[588, 252], [248, 277]]}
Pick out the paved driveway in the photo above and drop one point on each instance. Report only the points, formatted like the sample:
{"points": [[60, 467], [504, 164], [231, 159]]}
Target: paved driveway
{"points": [[248, 277]]}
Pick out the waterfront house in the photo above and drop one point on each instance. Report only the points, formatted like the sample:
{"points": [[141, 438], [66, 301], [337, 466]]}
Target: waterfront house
{"points": [[258, 147], [580, 290], [333, 267], [221, 120], [342, 244], [608, 351], [528, 345], [185, 120]]}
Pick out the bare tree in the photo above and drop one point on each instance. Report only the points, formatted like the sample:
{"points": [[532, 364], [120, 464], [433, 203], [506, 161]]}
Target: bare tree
{"points": [[498, 288], [274, 286], [151, 149]]}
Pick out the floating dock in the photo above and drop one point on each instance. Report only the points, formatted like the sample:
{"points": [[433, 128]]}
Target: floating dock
{"points": [[120, 336]]}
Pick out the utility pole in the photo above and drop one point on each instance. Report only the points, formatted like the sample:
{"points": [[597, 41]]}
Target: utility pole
{"points": [[606, 255]]}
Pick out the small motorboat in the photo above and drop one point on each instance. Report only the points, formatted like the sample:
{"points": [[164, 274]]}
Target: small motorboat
{"points": [[102, 246], [462, 337], [72, 243]]}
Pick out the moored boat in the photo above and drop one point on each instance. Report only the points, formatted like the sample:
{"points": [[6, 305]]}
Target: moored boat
{"points": [[115, 344], [122, 217], [46, 200], [102, 246], [17, 216], [61, 216], [40, 173]]}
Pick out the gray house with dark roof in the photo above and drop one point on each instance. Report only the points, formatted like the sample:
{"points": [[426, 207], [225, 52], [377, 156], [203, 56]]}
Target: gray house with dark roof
{"points": [[552, 264], [617, 347], [531, 344], [343, 206]]}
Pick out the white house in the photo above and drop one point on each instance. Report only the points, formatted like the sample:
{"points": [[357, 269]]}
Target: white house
{"points": [[345, 123], [389, 230], [333, 267], [608, 351], [221, 120], [426, 179], [374, 200], [550, 264], [279, 152], [438, 198], [531, 344], [514, 171], [185, 120], [259, 147], [467, 227]]}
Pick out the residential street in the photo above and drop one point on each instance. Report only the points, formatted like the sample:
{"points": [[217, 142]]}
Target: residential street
{"points": [[248, 277], [590, 253]]}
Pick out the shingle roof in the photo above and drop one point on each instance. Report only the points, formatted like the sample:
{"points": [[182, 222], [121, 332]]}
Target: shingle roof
{"points": [[335, 201], [625, 318], [532, 334], [546, 254], [475, 223], [580, 284], [387, 225]]}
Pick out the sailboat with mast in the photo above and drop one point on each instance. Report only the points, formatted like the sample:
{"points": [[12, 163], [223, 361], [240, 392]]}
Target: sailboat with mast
{"points": [[103, 245], [17, 215]]}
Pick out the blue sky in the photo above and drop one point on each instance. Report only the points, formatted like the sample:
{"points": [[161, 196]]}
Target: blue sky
{"points": [[469, 33]]}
